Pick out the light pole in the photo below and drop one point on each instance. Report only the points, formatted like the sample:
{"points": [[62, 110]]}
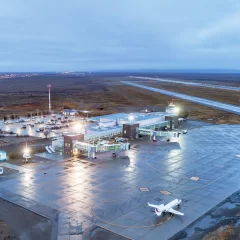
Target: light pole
{"points": [[26, 152], [85, 111], [131, 118], [78, 127], [85, 134], [49, 98]]}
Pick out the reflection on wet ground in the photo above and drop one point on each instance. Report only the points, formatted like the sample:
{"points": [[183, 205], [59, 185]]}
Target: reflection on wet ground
{"points": [[222, 222], [201, 168]]}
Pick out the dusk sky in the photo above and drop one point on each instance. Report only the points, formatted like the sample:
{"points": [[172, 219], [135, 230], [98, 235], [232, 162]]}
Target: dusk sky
{"points": [[79, 35]]}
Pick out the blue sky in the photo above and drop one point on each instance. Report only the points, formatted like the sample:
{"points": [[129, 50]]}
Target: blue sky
{"points": [[78, 35]]}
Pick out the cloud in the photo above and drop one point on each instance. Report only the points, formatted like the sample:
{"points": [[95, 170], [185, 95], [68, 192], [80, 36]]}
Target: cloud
{"points": [[90, 34], [222, 32]]}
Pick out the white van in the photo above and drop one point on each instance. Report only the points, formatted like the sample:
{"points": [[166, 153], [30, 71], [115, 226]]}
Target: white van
{"points": [[27, 155]]}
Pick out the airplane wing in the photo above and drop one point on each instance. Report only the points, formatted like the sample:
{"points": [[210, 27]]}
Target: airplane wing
{"points": [[152, 205], [171, 210]]}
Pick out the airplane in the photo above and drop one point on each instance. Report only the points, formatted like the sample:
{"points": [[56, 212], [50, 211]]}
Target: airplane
{"points": [[159, 209]]}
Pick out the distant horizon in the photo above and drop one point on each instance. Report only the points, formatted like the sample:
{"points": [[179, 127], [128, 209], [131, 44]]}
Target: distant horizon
{"points": [[200, 71]]}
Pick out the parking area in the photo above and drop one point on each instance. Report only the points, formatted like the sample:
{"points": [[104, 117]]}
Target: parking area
{"points": [[201, 168], [55, 124]]}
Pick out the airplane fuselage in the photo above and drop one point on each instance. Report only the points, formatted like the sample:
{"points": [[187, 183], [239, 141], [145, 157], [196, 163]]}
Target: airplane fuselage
{"points": [[172, 204], [161, 208]]}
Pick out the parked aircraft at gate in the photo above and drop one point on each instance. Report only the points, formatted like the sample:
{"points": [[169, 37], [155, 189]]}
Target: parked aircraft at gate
{"points": [[159, 209]]}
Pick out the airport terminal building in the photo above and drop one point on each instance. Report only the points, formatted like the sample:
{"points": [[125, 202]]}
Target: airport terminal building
{"points": [[120, 124]]}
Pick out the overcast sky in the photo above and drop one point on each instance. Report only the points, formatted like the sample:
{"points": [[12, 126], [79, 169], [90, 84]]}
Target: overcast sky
{"points": [[78, 35]]}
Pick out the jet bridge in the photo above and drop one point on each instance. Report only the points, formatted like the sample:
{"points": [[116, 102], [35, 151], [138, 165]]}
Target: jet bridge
{"points": [[87, 147], [154, 126], [154, 134]]}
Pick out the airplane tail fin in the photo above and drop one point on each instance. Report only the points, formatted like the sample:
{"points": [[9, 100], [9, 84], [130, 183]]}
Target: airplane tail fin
{"points": [[157, 212]]}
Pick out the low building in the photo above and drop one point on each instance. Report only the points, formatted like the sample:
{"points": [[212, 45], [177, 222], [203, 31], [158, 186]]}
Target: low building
{"points": [[129, 123], [129, 130], [172, 109], [173, 121], [3, 156], [110, 126], [69, 141], [57, 144], [70, 112], [118, 119]]}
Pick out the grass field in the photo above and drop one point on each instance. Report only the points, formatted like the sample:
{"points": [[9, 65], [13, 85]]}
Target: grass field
{"points": [[103, 95]]}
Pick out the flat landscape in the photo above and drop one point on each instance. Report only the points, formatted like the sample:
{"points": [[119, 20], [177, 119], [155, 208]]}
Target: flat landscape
{"points": [[102, 198], [103, 94], [119, 120]]}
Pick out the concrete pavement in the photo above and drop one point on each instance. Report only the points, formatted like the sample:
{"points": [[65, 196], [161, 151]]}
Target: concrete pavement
{"points": [[107, 193]]}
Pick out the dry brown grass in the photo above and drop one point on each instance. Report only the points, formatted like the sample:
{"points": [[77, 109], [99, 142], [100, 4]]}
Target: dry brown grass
{"points": [[222, 233], [105, 96], [226, 96], [141, 97]]}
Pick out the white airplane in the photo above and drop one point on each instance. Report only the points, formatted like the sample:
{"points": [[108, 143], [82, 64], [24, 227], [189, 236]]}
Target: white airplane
{"points": [[159, 209]]}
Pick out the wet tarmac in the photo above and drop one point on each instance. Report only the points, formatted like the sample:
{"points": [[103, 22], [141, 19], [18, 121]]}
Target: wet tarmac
{"points": [[23, 224], [97, 233], [213, 224], [106, 192]]}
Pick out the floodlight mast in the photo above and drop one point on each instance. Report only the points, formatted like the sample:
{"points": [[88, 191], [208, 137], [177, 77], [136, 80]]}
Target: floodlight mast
{"points": [[26, 151], [49, 98]]}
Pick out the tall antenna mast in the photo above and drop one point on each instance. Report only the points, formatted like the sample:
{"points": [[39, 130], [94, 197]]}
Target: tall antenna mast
{"points": [[49, 98]]}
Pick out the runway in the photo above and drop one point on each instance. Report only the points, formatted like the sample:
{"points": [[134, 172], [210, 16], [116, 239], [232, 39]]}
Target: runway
{"points": [[191, 83], [202, 101]]}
